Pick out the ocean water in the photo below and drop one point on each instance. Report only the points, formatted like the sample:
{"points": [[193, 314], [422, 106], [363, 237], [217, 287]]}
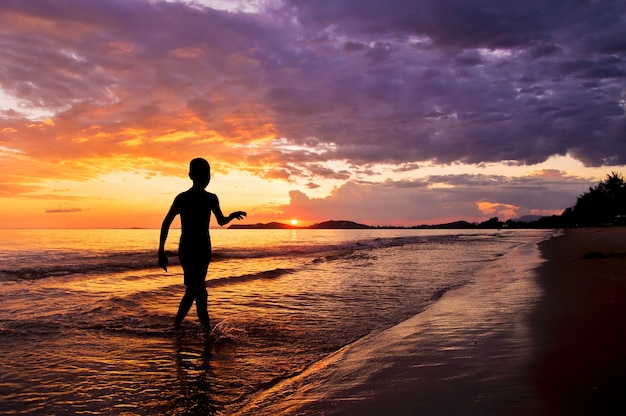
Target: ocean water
{"points": [[85, 315]]}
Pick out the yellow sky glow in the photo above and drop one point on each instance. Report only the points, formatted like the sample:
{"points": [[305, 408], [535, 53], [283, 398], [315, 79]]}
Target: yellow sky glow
{"points": [[121, 197]]}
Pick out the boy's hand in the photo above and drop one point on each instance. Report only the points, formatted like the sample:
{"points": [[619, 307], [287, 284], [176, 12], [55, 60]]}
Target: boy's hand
{"points": [[239, 215], [163, 261]]}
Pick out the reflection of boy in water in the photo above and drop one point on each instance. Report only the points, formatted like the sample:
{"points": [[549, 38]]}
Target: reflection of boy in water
{"points": [[194, 251]]}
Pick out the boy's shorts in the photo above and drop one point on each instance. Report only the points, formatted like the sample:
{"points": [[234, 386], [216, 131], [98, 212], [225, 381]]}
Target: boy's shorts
{"points": [[195, 272]]}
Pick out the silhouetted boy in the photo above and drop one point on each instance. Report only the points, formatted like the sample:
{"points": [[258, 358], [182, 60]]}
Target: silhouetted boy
{"points": [[194, 251]]}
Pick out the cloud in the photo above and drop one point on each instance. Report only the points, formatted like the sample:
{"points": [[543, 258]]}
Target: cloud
{"points": [[440, 198], [369, 82], [317, 92], [11, 189], [63, 210]]}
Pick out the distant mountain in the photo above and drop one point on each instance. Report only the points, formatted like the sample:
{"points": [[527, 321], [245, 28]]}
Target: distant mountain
{"points": [[456, 225], [332, 225], [259, 226], [527, 221], [326, 225], [528, 218]]}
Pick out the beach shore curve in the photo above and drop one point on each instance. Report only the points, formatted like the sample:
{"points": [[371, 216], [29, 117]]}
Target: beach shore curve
{"points": [[541, 337]]}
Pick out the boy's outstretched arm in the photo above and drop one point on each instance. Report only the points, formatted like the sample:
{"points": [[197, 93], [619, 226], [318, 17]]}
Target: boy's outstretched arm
{"points": [[221, 219], [165, 227]]}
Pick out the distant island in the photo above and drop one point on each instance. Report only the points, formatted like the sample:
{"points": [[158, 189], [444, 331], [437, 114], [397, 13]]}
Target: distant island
{"points": [[326, 225], [493, 223]]}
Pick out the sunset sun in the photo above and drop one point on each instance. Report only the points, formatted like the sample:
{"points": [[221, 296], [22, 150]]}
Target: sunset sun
{"points": [[294, 222]]}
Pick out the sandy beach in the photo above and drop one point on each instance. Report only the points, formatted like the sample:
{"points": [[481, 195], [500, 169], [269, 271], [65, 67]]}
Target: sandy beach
{"points": [[580, 324], [544, 340]]}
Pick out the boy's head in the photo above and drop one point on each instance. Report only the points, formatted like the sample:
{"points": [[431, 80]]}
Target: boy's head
{"points": [[200, 172]]}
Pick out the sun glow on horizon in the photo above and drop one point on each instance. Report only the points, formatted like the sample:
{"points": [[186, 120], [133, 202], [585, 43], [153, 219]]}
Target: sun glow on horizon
{"points": [[294, 222]]}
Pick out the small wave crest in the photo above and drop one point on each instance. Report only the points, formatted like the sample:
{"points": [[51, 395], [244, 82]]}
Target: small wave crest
{"points": [[38, 265], [265, 274], [227, 331]]}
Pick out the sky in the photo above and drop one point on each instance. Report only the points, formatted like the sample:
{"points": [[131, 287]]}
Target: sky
{"points": [[383, 112]]}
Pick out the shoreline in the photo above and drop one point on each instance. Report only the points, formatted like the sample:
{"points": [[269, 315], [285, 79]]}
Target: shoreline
{"points": [[580, 323], [466, 354], [546, 339]]}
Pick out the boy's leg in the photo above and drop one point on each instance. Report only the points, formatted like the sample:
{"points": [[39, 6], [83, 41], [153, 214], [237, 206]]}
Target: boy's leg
{"points": [[195, 274], [185, 305], [201, 305]]}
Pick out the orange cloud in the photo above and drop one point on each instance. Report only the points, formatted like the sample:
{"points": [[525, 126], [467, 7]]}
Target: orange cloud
{"points": [[490, 208], [548, 173]]}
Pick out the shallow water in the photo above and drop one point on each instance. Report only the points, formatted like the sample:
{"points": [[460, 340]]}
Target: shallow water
{"points": [[85, 316], [469, 353]]}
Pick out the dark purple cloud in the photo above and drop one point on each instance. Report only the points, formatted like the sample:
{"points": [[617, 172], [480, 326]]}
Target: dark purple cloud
{"points": [[478, 81], [359, 81]]}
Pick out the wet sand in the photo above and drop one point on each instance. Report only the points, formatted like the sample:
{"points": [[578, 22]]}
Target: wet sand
{"points": [[580, 324], [529, 339]]}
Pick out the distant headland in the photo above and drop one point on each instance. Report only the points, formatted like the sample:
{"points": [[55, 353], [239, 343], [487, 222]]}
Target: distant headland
{"points": [[326, 225], [493, 223]]}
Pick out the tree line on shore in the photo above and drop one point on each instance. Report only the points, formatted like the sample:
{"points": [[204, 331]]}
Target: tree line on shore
{"points": [[603, 204]]}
